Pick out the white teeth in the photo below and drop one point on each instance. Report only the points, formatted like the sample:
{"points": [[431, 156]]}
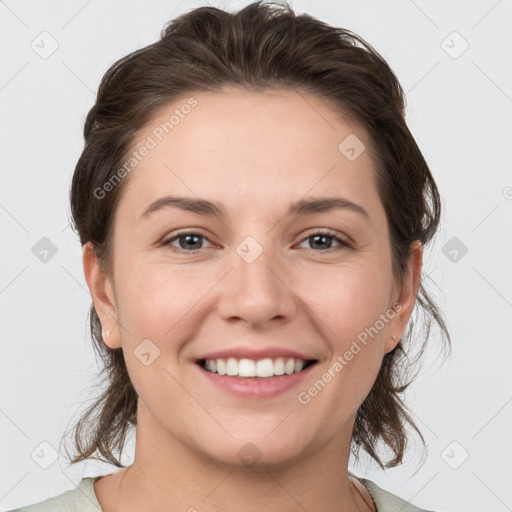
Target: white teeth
{"points": [[249, 368], [221, 366], [232, 367], [264, 368], [279, 366]]}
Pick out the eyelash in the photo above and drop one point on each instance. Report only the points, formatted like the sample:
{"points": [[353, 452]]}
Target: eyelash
{"points": [[343, 242]]}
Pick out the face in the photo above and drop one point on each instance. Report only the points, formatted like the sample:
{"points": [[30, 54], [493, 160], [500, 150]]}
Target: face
{"points": [[255, 275]]}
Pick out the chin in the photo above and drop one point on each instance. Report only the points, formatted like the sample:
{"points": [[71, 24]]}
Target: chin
{"points": [[254, 452]]}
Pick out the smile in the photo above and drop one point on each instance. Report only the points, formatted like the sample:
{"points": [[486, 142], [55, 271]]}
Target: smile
{"points": [[262, 368], [251, 379]]}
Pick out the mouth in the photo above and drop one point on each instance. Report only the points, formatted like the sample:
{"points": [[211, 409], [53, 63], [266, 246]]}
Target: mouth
{"points": [[262, 379], [256, 370]]}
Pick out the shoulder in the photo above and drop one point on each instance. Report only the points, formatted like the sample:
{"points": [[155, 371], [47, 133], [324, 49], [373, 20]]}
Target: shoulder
{"points": [[388, 502], [80, 499]]}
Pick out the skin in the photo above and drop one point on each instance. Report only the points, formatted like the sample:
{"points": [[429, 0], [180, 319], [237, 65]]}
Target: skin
{"points": [[254, 153]]}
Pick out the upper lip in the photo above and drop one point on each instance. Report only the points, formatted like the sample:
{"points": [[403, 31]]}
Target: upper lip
{"points": [[255, 353]]}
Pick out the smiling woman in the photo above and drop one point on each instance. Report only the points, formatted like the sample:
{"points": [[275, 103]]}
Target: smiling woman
{"points": [[253, 270]]}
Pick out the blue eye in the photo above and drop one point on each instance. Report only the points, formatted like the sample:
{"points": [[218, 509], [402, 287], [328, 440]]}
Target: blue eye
{"points": [[322, 238], [191, 242]]}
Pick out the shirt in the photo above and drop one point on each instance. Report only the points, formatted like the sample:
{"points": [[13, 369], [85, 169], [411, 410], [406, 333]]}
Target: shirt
{"points": [[83, 499]]}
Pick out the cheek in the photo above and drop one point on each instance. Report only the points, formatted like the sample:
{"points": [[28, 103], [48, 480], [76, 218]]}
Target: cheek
{"points": [[155, 303], [348, 305], [155, 299], [348, 299]]}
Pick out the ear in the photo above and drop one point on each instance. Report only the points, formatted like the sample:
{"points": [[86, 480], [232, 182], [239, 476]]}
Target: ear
{"points": [[103, 297], [405, 297]]}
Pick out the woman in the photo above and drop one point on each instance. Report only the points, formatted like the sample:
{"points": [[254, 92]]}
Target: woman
{"points": [[253, 211]]}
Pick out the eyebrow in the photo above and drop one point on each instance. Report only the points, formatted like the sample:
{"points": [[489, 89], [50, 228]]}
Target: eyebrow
{"points": [[212, 208]]}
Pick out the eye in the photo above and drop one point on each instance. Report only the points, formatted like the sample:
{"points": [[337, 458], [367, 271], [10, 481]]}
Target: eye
{"points": [[188, 241], [323, 237]]}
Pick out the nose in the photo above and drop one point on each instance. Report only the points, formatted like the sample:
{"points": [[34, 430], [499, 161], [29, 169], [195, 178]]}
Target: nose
{"points": [[258, 291]]}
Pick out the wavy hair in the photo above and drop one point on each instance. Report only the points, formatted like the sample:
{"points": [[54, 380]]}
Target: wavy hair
{"points": [[265, 45]]}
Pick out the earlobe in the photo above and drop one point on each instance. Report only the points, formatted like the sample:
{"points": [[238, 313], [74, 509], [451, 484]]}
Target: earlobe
{"points": [[102, 295], [407, 296]]}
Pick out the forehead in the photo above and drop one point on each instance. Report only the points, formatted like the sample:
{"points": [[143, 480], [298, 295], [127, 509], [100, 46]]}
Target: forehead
{"points": [[272, 146]]}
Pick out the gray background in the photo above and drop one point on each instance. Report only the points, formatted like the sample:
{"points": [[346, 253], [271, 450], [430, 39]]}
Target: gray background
{"points": [[459, 109]]}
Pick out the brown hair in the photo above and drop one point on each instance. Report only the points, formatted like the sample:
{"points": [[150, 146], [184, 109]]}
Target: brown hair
{"points": [[262, 46]]}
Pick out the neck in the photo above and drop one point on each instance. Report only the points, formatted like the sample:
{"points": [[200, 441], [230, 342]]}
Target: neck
{"points": [[168, 475]]}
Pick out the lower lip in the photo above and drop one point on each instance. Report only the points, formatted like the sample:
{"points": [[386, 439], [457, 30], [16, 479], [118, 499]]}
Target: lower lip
{"points": [[256, 387]]}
